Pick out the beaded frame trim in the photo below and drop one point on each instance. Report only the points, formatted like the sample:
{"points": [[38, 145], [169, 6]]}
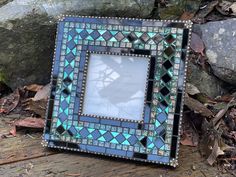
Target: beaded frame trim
{"points": [[84, 85], [142, 141]]}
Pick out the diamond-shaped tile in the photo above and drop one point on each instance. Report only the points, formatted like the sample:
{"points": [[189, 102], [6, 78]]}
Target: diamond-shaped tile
{"points": [[67, 81], [167, 64], [96, 134], [143, 141], [145, 37], [161, 117], [169, 51], [132, 139], [70, 57], [164, 91], [95, 34], [170, 38], [71, 44], [159, 142], [166, 78], [160, 130], [119, 36], [60, 129], [108, 136], [64, 104], [84, 132], [107, 35], [62, 117], [65, 92], [68, 69], [83, 34], [72, 32], [72, 131], [132, 37], [120, 138], [157, 38]]}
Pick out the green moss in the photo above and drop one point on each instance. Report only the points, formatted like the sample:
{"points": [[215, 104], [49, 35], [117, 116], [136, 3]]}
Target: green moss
{"points": [[2, 77]]}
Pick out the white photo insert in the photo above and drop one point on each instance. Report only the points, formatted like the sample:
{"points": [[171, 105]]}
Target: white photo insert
{"points": [[115, 86]]}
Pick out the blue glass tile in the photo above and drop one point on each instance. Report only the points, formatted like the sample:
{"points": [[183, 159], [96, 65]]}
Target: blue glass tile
{"points": [[107, 35], [160, 130], [116, 152], [62, 117], [132, 22], [133, 139], [159, 142], [120, 138], [82, 146], [129, 154], [108, 136], [64, 104], [161, 117], [69, 57], [129, 124], [72, 131], [71, 44], [96, 134], [110, 122], [72, 32], [95, 34], [46, 136], [95, 20], [96, 149], [159, 158], [68, 69], [83, 34], [89, 119], [147, 111], [84, 132]]}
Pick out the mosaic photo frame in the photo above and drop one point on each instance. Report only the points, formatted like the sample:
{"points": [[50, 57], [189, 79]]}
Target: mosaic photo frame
{"points": [[154, 139]]}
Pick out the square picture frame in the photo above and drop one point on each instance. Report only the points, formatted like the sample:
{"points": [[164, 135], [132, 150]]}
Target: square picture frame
{"points": [[154, 136]]}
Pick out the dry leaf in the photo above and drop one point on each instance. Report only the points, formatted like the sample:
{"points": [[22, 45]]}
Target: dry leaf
{"points": [[28, 122], [38, 107], [197, 107], [207, 9], [221, 113], [33, 87], [232, 8], [197, 44], [42, 94], [203, 98], [187, 16], [10, 102], [191, 89], [227, 8], [216, 151]]}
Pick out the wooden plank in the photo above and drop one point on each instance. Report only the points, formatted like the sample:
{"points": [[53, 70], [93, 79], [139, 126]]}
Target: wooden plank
{"points": [[81, 164], [22, 147]]}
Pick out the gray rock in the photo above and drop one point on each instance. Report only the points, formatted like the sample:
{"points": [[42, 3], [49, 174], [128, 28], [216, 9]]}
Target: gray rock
{"points": [[220, 40], [27, 32], [206, 83]]}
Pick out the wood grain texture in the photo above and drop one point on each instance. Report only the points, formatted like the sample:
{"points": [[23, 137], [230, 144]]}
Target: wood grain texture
{"points": [[23, 156]]}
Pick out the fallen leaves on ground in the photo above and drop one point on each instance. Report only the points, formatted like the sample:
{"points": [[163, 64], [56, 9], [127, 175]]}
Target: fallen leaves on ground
{"points": [[29, 122], [189, 135], [10, 102], [197, 44], [227, 8], [42, 94], [33, 87], [197, 107]]}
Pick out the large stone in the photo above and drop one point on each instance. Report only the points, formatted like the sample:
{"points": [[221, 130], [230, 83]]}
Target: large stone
{"points": [[206, 83], [220, 40], [27, 32]]}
